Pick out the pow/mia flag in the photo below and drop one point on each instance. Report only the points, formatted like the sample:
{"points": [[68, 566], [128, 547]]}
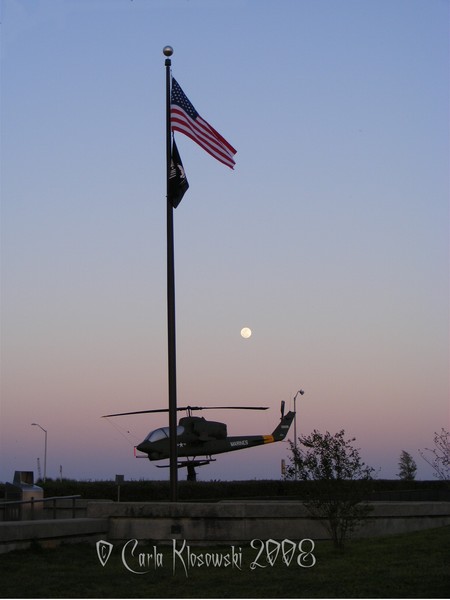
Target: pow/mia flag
{"points": [[178, 184]]}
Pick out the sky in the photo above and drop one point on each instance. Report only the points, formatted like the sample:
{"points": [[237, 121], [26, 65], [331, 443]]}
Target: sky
{"points": [[329, 239]]}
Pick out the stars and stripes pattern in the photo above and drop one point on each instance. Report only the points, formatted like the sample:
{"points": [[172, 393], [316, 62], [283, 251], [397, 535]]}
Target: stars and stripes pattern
{"points": [[185, 119]]}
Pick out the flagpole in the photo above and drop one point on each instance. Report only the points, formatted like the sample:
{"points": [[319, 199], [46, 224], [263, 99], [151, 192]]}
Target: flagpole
{"points": [[172, 372]]}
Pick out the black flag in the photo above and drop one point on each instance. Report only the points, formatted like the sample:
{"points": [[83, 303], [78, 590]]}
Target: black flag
{"points": [[178, 184]]}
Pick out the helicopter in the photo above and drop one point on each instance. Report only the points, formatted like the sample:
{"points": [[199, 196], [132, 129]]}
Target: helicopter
{"points": [[197, 437]]}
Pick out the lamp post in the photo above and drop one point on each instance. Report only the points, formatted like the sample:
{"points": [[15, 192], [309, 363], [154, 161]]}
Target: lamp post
{"points": [[301, 392], [45, 449]]}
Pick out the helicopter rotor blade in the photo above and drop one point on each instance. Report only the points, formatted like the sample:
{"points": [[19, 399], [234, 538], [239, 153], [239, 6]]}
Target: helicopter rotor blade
{"points": [[136, 412], [227, 407], [188, 408]]}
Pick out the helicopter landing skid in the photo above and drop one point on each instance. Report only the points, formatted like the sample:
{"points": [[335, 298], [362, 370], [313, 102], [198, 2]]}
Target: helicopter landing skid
{"points": [[190, 465]]}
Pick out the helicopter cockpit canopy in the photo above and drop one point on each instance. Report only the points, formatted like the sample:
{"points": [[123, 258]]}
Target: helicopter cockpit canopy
{"points": [[162, 433]]}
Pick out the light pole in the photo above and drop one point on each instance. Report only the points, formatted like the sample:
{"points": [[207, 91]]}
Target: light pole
{"points": [[45, 449], [301, 392]]}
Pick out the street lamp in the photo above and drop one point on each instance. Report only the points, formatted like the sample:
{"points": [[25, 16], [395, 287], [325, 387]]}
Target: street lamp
{"points": [[301, 392], [45, 450]]}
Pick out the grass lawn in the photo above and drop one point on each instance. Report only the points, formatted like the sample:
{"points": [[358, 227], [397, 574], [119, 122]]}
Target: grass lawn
{"points": [[413, 565]]}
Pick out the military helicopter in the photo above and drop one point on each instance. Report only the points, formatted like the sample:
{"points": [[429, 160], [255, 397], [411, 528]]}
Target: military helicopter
{"points": [[198, 437]]}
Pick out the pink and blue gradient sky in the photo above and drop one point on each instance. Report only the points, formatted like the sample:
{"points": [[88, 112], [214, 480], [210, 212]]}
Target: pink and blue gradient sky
{"points": [[330, 238]]}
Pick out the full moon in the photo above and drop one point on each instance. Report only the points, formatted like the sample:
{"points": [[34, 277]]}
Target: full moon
{"points": [[246, 332]]}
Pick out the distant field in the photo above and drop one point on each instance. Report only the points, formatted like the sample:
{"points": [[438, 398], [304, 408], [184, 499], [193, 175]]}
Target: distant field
{"points": [[405, 566]]}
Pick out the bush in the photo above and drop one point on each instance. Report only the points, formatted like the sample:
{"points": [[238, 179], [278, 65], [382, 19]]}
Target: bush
{"points": [[341, 478]]}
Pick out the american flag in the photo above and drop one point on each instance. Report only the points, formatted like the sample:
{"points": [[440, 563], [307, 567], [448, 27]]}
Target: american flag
{"points": [[185, 119]]}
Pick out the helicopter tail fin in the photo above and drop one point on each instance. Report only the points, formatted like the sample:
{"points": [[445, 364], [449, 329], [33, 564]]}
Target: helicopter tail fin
{"points": [[280, 432]]}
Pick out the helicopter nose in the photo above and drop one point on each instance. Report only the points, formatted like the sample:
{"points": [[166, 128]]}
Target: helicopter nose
{"points": [[146, 448], [142, 447]]}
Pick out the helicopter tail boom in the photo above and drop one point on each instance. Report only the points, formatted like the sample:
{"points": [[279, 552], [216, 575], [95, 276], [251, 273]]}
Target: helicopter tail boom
{"points": [[278, 434]]}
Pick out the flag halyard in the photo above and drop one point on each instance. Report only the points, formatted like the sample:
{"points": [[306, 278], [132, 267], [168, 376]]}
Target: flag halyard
{"points": [[185, 119]]}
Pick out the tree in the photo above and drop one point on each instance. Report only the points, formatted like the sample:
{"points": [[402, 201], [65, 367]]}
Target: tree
{"points": [[439, 456], [341, 482], [407, 467]]}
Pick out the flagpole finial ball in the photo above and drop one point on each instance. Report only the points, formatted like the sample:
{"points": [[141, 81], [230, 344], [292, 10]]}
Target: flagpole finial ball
{"points": [[167, 50]]}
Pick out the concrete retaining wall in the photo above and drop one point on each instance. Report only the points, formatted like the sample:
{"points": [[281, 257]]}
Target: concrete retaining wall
{"points": [[229, 522], [212, 522], [17, 535]]}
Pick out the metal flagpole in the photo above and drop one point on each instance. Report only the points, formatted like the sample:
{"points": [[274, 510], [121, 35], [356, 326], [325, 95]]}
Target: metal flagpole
{"points": [[168, 51], [301, 392]]}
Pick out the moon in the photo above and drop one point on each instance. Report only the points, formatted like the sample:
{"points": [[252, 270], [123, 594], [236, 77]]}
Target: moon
{"points": [[246, 332]]}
